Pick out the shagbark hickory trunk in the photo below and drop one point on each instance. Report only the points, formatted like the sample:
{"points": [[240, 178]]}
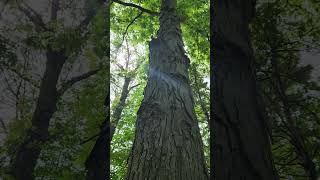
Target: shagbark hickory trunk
{"points": [[241, 145], [167, 143], [29, 150]]}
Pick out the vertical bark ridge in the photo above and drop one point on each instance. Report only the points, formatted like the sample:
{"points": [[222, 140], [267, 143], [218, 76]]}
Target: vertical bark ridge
{"points": [[241, 145], [167, 143]]}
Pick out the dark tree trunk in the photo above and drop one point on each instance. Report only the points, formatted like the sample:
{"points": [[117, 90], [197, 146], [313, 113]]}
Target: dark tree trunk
{"points": [[28, 151], [167, 141], [240, 144], [97, 164]]}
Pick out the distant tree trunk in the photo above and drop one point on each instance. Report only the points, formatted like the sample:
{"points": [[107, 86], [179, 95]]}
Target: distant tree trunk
{"points": [[167, 141], [29, 150], [97, 164], [240, 144], [116, 116]]}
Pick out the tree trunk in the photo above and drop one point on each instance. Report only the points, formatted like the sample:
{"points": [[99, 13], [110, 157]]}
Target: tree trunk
{"points": [[167, 141], [28, 151], [240, 144], [116, 116], [98, 162]]}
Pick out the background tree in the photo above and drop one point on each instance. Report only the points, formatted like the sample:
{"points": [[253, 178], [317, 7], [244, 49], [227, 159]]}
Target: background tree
{"points": [[241, 134], [283, 33], [58, 42]]}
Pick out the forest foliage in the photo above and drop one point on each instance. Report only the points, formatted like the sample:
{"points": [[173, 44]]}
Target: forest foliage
{"points": [[281, 33]]}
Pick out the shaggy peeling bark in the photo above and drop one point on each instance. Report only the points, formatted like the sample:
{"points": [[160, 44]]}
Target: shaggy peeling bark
{"points": [[241, 145], [167, 141]]}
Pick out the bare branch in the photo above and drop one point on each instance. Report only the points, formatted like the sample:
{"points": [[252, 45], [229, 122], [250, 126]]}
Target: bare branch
{"points": [[152, 13], [4, 127], [66, 85], [22, 76], [134, 86], [55, 6], [33, 16], [126, 31]]}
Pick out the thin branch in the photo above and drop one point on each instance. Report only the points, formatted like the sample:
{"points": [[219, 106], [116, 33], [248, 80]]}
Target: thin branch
{"points": [[22, 76], [55, 6], [66, 85], [126, 32], [91, 138], [4, 127], [134, 86], [33, 16], [127, 28], [152, 13]]}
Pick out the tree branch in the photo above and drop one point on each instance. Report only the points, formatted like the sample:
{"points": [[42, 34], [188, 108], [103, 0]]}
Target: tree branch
{"points": [[152, 13], [134, 86], [54, 9], [66, 85], [3, 126], [33, 16], [126, 31]]}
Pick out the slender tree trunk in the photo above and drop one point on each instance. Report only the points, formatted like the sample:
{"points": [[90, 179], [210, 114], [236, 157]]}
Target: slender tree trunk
{"points": [[97, 164], [167, 141], [295, 136], [116, 116], [240, 144], [29, 150]]}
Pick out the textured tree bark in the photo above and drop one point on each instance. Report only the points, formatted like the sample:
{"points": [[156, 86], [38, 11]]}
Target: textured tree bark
{"points": [[29, 150], [240, 140], [167, 141]]}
